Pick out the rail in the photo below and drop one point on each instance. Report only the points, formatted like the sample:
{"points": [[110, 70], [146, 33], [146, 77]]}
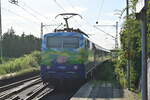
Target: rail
{"points": [[10, 92]]}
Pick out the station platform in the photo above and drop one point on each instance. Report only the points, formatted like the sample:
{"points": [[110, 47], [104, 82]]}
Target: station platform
{"points": [[91, 91]]}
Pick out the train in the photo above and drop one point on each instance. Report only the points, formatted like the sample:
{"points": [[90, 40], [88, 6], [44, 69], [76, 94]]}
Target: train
{"points": [[68, 56]]}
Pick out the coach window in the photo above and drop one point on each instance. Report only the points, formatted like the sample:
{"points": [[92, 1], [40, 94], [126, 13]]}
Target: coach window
{"points": [[87, 44]]}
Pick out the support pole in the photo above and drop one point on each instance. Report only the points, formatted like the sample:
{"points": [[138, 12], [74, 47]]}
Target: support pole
{"points": [[1, 52], [116, 39], [143, 21], [129, 60], [42, 30]]}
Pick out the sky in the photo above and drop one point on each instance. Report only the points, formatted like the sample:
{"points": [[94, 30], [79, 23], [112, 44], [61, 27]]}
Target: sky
{"points": [[28, 15]]}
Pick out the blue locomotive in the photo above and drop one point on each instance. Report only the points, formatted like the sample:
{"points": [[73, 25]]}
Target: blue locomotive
{"points": [[68, 56]]}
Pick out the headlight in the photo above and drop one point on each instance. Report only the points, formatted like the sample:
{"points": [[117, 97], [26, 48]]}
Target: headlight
{"points": [[75, 67]]}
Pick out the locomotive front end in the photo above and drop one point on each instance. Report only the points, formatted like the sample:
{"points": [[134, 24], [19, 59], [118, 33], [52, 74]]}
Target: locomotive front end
{"points": [[63, 58]]}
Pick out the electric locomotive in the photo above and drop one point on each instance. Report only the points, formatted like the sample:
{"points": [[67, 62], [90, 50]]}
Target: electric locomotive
{"points": [[66, 55]]}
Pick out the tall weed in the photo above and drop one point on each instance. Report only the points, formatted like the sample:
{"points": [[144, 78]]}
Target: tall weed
{"points": [[27, 61]]}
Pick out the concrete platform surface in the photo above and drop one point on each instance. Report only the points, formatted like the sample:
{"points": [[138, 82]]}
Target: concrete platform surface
{"points": [[105, 91]]}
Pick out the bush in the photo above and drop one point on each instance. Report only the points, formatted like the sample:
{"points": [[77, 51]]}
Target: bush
{"points": [[26, 62], [120, 69]]}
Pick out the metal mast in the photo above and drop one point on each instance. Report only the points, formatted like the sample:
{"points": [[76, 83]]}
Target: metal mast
{"points": [[1, 52], [129, 60]]}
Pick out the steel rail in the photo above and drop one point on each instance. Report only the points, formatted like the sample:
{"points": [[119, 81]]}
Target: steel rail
{"points": [[44, 93], [35, 92], [8, 93], [7, 87]]}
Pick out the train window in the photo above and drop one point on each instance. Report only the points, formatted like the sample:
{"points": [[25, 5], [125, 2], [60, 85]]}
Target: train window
{"points": [[62, 42], [54, 42], [71, 42], [87, 44]]}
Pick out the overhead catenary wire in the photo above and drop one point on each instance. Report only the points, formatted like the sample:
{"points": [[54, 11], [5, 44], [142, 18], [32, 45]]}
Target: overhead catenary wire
{"points": [[104, 32], [90, 23], [29, 12], [87, 22], [100, 9], [59, 5], [26, 8], [17, 4], [35, 11], [66, 11], [99, 29], [114, 38], [22, 17], [68, 1], [8, 10]]}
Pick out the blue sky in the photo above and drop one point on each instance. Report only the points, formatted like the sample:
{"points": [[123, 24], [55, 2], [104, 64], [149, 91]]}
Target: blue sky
{"points": [[31, 13]]}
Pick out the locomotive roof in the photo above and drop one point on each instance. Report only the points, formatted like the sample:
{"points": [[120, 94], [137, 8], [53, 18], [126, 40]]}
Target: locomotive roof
{"points": [[65, 34]]}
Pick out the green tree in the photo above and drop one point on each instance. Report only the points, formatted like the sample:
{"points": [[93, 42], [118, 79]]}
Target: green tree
{"points": [[132, 26], [16, 46]]}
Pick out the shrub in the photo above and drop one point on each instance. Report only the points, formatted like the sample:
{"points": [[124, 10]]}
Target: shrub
{"points": [[120, 69], [26, 62]]}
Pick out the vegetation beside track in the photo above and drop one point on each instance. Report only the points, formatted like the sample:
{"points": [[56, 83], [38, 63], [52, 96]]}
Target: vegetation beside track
{"points": [[131, 31], [24, 64], [105, 72], [15, 46]]}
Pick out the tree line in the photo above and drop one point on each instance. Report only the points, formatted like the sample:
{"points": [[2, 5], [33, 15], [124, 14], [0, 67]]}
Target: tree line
{"points": [[15, 46]]}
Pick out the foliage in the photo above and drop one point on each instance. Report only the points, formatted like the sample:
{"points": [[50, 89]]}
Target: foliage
{"points": [[131, 32], [16, 46], [20, 64], [105, 72], [120, 69]]}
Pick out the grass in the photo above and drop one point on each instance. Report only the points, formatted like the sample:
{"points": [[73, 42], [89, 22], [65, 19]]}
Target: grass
{"points": [[22, 72], [139, 96], [21, 65], [5, 60]]}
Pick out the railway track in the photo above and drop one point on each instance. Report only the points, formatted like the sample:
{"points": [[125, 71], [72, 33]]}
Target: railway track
{"points": [[24, 90], [31, 89], [15, 84]]}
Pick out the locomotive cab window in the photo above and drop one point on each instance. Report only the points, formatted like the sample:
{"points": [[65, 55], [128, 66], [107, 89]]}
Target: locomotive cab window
{"points": [[62, 42]]}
